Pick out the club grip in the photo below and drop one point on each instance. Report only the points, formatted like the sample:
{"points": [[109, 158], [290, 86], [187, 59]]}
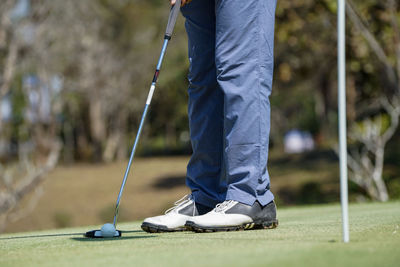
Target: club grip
{"points": [[173, 15]]}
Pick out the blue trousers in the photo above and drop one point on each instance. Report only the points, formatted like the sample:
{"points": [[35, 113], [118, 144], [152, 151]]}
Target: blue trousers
{"points": [[230, 78]]}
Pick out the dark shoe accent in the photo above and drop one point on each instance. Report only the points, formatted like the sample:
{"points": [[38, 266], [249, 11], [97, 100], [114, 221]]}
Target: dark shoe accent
{"points": [[191, 226], [199, 210], [258, 213], [154, 228]]}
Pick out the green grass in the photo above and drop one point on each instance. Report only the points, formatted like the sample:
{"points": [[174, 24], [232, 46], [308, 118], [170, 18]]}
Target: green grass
{"points": [[306, 236]]}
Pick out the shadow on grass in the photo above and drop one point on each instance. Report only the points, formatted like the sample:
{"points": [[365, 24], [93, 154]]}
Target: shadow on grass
{"points": [[85, 239], [58, 235], [38, 236]]}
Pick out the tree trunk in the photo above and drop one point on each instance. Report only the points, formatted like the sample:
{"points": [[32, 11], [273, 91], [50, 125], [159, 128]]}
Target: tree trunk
{"points": [[377, 174], [97, 126]]}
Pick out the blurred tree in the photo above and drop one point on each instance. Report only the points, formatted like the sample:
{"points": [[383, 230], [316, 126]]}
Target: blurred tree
{"points": [[304, 94], [30, 134], [378, 108], [73, 70], [304, 84]]}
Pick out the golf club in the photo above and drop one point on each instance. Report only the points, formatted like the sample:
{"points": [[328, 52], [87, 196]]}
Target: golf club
{"points": [[109, 230]]}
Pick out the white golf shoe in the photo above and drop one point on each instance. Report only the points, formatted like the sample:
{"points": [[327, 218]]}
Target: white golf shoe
{"points": [[231, 215], [175, 218]]}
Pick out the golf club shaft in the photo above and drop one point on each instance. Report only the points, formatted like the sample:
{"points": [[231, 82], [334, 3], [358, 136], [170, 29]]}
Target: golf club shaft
{"points": [[171, 23], [149, 97]]}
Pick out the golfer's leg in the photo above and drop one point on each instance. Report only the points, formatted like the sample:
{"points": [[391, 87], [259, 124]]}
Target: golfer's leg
{"points": [[244, 61], [205, 105]]}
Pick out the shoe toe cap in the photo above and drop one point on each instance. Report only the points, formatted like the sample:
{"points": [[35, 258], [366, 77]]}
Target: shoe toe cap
{"points": [[168, 221], [218, 220], [154, 220]]}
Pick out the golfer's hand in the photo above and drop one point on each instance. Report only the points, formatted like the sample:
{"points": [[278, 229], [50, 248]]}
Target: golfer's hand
{"points": [[184, 2]]}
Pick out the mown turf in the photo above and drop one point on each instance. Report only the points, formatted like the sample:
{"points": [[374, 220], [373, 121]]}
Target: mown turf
{"points": [[306, 236]]}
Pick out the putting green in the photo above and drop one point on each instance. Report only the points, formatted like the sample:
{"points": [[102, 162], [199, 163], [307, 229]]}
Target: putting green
{"points": [[306, 236]]}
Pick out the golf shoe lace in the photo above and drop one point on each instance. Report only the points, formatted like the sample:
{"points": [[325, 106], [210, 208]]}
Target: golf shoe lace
{"points": [[179, 203], [222, 207]]}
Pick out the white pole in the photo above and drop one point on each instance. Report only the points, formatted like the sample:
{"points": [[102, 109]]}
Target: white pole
{"points": [[342, 117]]}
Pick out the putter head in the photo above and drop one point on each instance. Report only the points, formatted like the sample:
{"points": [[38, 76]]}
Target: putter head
{"points": [[97, 234]]}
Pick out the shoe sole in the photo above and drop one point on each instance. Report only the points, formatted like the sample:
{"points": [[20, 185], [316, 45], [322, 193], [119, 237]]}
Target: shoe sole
{"points": [[154, 228], [191, 226]]}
